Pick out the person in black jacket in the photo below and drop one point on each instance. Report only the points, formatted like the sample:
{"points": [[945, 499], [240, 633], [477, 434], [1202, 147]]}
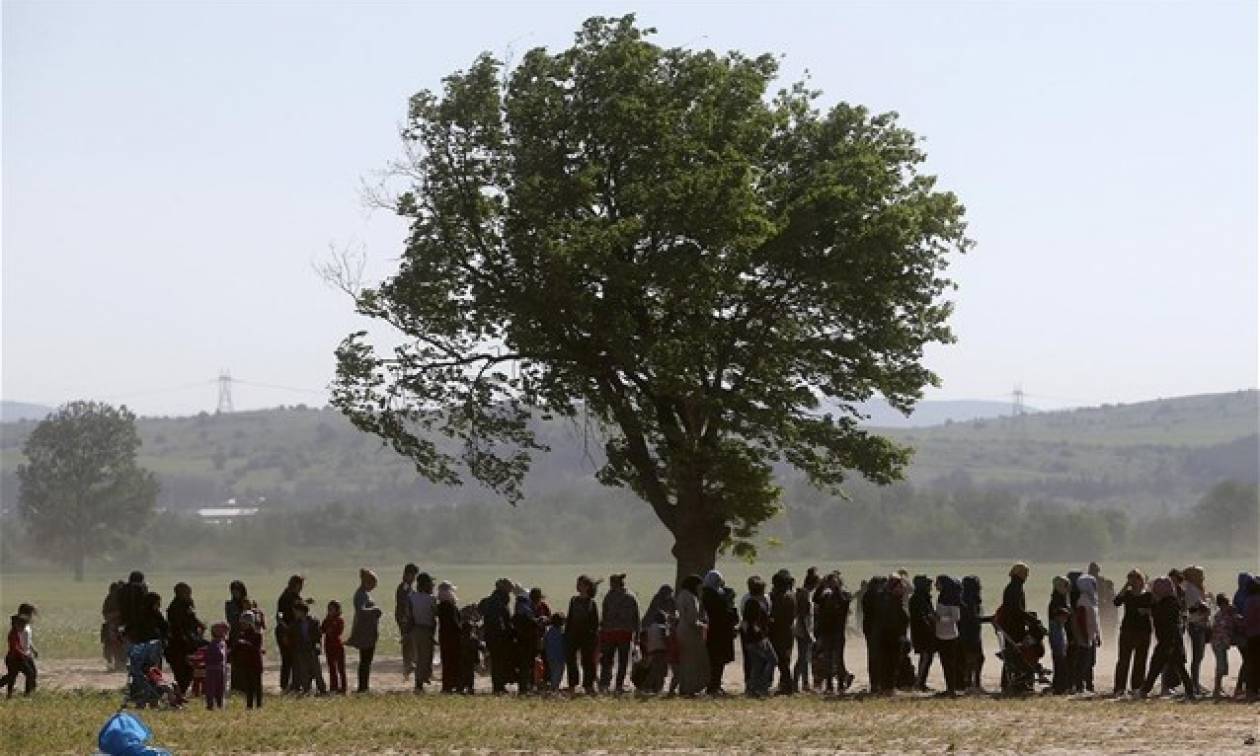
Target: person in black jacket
{"points": [[150, 625], [450, 637], [922, 628], [1014, 615], [185, 636], [718, 603], [132, 604], [291, 595], [872, 595], [969, 632], [1170, 654], [1135, 632], [581, 631], [894, 621], [782, 622], [497, 631]]}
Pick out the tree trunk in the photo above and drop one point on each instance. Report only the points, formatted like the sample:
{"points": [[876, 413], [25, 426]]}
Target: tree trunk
{"points": [[696, 553]]}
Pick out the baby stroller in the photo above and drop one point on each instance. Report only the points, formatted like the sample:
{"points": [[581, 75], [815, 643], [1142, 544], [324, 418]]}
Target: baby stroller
{"points": [[142, 691], [1021, 658]]}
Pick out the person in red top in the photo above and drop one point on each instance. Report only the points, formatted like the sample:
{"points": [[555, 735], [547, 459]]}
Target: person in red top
{"points": [[20, 657], [334, 649]]}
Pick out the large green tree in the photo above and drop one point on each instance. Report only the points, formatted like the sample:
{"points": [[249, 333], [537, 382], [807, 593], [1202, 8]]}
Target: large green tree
{"points": [[80, 487], [647, 239]]}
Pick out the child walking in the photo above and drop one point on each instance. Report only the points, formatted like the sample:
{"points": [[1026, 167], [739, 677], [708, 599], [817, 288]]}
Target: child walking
{"points": [[247, 654], [21, 655], [216, 668], [334, 648], [1224, 626], [555, 650], [656, 646], [470, 648], [304, 645]]}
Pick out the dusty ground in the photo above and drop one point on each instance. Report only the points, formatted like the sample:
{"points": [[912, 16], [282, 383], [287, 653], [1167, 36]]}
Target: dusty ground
{"points": [[90, 674]]}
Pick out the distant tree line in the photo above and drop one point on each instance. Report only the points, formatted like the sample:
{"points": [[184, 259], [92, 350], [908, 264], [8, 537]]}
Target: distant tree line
{"points": [[898, 522]]}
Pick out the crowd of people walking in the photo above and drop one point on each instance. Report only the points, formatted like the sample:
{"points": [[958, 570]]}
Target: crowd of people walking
{"points": [[791, 636]]}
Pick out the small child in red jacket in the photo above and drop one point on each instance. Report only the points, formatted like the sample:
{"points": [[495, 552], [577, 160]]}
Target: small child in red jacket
{"points": [[334, 648]]}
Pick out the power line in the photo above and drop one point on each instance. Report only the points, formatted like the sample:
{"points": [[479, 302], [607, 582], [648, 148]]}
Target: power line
{"points": [[278, 387]]}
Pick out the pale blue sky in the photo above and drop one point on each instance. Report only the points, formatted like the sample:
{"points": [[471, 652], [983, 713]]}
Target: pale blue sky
{"points": [[172, 170]]}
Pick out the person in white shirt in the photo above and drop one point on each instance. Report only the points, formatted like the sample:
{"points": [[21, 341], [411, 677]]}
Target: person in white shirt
{"points": [[948, 613]]}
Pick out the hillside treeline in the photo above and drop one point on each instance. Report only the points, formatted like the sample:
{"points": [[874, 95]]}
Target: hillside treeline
{"points": [[871, 523]]}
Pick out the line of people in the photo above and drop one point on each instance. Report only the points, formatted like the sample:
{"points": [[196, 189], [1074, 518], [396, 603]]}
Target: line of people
{"points": [[685, 639]]}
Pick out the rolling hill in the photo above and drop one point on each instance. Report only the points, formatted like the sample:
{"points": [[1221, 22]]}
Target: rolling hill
{"points": [[1153, 456]]}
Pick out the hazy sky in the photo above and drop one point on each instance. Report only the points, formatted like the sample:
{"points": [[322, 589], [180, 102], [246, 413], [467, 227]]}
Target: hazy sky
{"points": [[171, 172]]}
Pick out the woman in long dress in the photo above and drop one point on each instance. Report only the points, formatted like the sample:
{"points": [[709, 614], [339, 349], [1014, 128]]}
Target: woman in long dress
{"points": [[693, 658]]}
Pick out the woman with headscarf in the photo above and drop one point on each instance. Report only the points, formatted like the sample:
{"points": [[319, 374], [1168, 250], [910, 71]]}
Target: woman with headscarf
{"points": [[693, 655], [1059, 618], [581, 631], [1198, 624], [1088, 634], [718, 603], [1135, 633], [872, 598], [1251, 628], [238, 603], [365, 628], [1245, 580], [525, 623], [663, 602], [894, 647], [185, 635], [450, 635], [970, 643], [947, 615], [1169, 652]]}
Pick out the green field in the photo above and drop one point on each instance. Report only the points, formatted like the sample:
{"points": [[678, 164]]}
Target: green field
{"points": [[69, 618]]}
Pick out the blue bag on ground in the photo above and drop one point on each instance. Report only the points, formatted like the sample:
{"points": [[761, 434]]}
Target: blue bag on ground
{"points": [[125, 735]]}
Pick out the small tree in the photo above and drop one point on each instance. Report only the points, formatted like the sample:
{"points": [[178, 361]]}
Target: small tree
{"points": [[80, 488], [642, 236]]}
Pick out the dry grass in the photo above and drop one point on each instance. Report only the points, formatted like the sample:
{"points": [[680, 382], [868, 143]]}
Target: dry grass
{"points": [[67, 722]]}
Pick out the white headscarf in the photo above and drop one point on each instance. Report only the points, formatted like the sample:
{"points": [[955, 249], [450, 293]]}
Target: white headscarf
{"points": [[1088, 587], [714, 580]]}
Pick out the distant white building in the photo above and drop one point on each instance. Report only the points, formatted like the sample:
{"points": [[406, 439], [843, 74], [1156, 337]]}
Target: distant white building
{"points": [[230, 511]]}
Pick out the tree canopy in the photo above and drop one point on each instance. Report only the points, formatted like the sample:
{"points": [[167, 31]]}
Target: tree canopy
{"points": [[647, 238], [80, 488]]}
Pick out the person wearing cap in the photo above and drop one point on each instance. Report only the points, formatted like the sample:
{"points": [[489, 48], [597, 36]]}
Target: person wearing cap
{"points": [[423, 628], [581, 631], [450, 635], [365, 627], [617, 632]]}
